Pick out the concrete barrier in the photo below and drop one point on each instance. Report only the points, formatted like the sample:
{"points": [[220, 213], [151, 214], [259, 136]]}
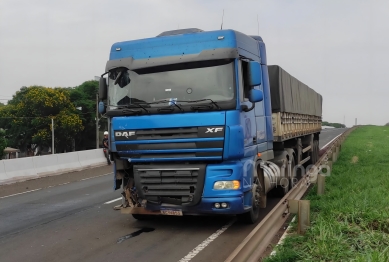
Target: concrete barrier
{"points": [[91, 158], [21, 169], [45, 165], [3, 174], [68, 162]]}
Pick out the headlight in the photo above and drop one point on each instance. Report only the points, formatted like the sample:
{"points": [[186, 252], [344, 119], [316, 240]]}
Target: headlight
{"points": [[220, 185]]}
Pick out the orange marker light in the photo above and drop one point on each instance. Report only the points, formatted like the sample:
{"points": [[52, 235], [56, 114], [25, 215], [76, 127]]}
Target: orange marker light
{"points": [[236, 184]]}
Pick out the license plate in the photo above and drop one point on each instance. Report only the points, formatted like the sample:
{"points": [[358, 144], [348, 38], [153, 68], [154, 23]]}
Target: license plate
{"points": [[171, 212]]}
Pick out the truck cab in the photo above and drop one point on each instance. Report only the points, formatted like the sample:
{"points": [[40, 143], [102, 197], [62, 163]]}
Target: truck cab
{"points": [[190, 119]]}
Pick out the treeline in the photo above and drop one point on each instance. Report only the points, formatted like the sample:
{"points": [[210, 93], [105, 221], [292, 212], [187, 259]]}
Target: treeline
{"points": [[26, 120], [336, 125]]}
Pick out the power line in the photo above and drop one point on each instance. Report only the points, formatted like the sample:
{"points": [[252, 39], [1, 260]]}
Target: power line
{"points": [[41, 116]]}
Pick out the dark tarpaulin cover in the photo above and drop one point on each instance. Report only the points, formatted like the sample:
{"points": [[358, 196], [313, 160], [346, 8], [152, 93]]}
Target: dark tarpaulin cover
{"points": [[290, 95]]}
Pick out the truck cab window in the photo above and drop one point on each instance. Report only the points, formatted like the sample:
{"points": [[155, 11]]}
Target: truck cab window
{"points": [[246, 88]]}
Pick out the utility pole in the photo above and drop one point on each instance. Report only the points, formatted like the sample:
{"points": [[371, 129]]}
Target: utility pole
{"points": [[52, 135], [97, 120]]}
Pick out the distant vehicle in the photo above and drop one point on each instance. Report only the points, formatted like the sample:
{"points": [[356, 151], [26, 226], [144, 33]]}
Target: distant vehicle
{"points": [[200, 124], [327, 127]]}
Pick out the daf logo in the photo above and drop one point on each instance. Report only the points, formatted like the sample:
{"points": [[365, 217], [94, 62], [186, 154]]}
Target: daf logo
{"points": [[125, 134], [214, 130]]}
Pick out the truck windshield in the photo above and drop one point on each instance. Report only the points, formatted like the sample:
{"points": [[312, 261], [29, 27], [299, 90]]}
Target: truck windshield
{"points": [[212, 80]]}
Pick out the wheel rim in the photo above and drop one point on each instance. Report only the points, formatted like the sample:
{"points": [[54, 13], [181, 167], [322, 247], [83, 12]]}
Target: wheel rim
{"points": [[256, 194]]}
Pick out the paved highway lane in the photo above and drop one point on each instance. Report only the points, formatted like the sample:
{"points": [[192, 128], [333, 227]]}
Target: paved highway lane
{"points": [[71, 222], [327, 135]]}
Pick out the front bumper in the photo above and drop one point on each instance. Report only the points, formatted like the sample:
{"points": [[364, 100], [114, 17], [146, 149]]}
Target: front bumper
{"points": [[206, 206]]}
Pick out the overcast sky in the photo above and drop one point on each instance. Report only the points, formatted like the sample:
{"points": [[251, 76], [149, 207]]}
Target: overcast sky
{"points": [[338, 48]]}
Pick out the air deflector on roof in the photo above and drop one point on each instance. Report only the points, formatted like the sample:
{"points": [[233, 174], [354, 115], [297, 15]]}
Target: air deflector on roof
{"points": [[181, 31]]}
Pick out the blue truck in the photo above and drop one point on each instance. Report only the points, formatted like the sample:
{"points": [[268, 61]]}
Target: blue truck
{"points": [[200, 124]]}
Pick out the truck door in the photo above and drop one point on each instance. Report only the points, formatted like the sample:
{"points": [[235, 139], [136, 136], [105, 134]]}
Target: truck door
{"points": [[247, 119], [260, 121]]}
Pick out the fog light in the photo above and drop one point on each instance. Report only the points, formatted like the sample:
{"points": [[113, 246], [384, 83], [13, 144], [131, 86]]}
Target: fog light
{"points": [[224, 205], [217, 205]]}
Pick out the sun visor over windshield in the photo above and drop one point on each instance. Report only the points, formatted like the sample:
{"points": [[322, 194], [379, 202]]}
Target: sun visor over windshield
{"points": [[132, 64]]}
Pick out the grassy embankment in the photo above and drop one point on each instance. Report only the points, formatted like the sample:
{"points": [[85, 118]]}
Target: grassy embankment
{"points": [[350, 222]]}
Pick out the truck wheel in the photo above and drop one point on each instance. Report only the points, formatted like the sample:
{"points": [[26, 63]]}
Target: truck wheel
{"points": [[252, 216], [315, 153], [283, 190], [140, 217]]}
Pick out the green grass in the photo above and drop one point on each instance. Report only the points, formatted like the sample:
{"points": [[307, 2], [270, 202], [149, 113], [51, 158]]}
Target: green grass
{"points": [[350, 222]]}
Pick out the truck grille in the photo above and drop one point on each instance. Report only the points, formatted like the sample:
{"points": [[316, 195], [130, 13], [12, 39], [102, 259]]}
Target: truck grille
{"points": [[170, 133], [172, 184], [167, 144]]}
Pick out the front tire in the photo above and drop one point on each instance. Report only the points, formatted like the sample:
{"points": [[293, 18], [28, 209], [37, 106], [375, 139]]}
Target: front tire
{"points": [[251, 217]]}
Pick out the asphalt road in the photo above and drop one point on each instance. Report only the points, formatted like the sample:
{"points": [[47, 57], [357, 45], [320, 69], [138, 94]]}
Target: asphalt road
{"points": [[71, 222], [327, 135]]}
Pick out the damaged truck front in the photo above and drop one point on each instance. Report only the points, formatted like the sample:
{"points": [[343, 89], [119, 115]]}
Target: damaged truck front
{"points": [[191, 124]]}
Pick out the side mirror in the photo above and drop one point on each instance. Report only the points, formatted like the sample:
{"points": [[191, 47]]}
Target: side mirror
{"points": [[254, 73], [102, 88], [255, 96], [101, 107]]}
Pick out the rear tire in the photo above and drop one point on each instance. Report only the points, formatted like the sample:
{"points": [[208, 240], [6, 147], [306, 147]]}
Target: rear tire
{"points": [[314, 154], [251, 217], [315, 151], [283, 190]]}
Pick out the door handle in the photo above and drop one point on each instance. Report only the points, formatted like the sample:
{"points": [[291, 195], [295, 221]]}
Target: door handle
{"points": [[254, 139]]}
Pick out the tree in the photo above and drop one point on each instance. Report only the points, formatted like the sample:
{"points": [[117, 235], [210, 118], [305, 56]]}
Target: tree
{"points": [[337, 125], [84, 96], [27, 118], [3, 143]]}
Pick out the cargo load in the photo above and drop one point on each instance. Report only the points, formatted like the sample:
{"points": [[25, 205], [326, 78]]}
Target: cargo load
{"points": [[292, 96]]}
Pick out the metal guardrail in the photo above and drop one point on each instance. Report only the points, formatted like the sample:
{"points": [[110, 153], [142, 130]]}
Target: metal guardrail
{"points": [[253, 246]]}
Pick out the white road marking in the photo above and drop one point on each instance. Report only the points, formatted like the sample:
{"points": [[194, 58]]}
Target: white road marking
{"points": [[109, 202], [53, 186], [206, 242], [21, 193], [330, 141], [96, 176], [59, 185]]}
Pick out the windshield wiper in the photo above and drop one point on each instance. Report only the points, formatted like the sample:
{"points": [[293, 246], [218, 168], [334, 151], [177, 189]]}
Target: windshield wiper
{"points": [[165, 101], [166, 109], [125, 111], [137, 111], [206, 99], [138, 105], [201, 107], [135, 104]]}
